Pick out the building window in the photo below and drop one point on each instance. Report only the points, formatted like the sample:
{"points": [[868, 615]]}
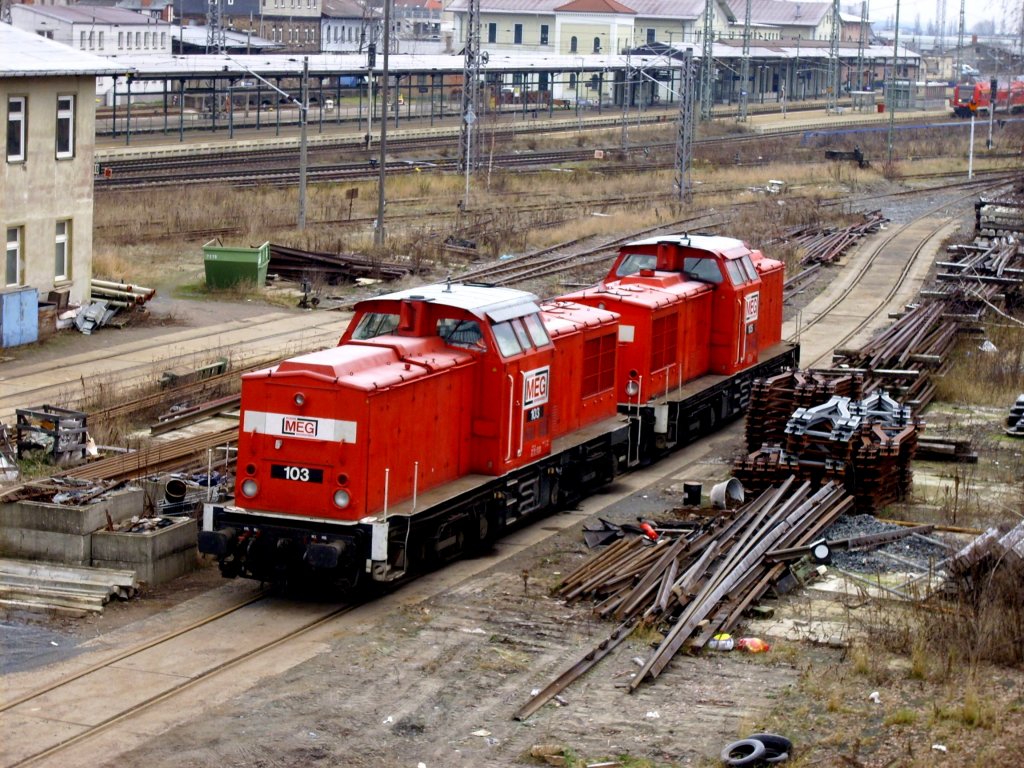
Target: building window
{"points": [[572, 44], [163, 39], [65, 126], [61, 262], [16, 109], [517, 34], [101, 40], [650, 36], [129, 41], [92, 40], [492, 33], [597, 45], [12, 270], [543, 34], [81, 41], [145, 40], [120, 39], [138, 39]]}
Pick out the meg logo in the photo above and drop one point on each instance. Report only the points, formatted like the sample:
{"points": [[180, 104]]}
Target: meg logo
{"points": [[535, 387], [293, 425], [753, 301]]}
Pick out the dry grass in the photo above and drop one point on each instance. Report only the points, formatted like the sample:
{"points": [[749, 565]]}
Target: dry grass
{"points": [[987, 378]]}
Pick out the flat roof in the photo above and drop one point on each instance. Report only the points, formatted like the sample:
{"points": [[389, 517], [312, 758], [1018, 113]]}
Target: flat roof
{"points": [[24, 54], [271, 65]]}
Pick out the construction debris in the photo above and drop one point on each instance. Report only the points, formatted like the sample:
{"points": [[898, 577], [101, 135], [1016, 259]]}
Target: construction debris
{"points": [[61, 589], [60, 432], [694, 582]]}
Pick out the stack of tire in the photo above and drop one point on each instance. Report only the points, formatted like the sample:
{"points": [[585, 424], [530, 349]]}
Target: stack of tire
{"points": [[759, 749], [1015, 421]]}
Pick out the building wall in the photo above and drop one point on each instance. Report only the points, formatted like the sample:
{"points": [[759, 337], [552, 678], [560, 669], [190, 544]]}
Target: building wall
{"points": [[41, 190], [98, 38]]}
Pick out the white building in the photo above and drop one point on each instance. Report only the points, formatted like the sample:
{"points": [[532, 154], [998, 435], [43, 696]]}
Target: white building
{"points": [[94, 29], [348, 26], [46, 179]]}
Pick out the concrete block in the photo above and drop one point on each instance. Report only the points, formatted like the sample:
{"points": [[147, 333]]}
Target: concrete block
{"points": [[158, 571], [67, 548], [75, 520], [155, 556]]}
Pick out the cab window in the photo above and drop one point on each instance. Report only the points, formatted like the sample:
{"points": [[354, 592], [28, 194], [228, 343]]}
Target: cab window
{"points": [[537, 331], [634, 262], [520, 331], [508, 342], [461, 333], [749, 267], [702, 269], [735, 270], [375, 324]]}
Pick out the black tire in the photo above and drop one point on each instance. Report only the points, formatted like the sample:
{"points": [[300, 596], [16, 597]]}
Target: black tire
{"points": [[775, 745], [745, 752]]}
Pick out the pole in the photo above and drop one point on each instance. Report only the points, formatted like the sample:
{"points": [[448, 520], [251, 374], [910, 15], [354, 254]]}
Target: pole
{"points": [[378, 233], [993, 94], [970, 153], [303, 115], [890, 97]]}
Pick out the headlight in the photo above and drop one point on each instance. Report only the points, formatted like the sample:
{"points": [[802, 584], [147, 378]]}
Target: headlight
{"points": [[632, 388], [341, 498], [250, 488]]}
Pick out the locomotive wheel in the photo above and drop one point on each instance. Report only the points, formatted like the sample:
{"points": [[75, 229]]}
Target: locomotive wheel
{"points": [[554, 494]]}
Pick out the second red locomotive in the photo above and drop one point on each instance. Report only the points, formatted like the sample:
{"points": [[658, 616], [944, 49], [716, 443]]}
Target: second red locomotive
{"points": [[449, 412]]}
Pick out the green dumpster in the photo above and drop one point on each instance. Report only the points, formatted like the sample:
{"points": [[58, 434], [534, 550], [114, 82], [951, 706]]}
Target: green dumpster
{"points": [[227, 266]]}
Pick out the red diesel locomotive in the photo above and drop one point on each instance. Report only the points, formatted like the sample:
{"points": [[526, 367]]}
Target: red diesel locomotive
{"points": [[450, 412]]}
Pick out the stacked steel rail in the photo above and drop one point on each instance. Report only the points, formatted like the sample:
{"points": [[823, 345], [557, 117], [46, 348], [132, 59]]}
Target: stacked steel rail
{"points": [[694, 583]]}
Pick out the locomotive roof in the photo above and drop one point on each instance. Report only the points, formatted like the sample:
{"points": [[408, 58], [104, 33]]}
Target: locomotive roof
{"points": [[716, 243], [491, 302]]}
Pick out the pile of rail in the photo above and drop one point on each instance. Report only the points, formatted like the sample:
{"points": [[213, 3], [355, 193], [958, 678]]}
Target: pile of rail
{"points": [[694, 582], [991, 550], [826, 246], [864, 445], [331, 268]]}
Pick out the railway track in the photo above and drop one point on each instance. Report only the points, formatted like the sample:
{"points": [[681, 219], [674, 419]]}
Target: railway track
{"points": [[81, 707], [883, 258], [241, 168], [252, 343]]}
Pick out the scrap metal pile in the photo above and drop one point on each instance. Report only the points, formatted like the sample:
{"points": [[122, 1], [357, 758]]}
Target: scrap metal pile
{"points": [[331, 268], [864, 445], [694, 582], [109, 301]]}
